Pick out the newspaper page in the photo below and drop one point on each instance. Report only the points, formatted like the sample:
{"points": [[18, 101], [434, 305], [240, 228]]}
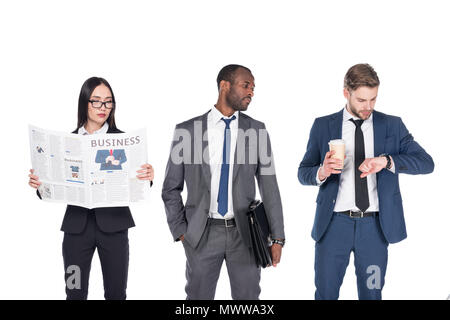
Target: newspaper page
{"points": [[90, 171]]}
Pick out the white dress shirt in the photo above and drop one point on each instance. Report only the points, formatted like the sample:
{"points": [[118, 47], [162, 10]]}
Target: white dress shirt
{"points": [[346, 194], [103, 129], [216, 131]]}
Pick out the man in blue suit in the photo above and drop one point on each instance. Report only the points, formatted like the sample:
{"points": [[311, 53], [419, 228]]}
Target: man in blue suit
{"points": [[111, 159], [359, 207]]}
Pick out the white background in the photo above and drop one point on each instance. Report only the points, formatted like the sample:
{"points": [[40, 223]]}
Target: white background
{"points": [[161, 59]]}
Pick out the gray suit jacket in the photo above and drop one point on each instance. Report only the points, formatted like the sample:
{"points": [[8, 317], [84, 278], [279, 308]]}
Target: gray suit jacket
{"points": [[190, 219]]}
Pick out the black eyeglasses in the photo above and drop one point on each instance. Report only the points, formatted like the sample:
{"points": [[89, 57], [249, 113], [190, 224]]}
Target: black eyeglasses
{"points": [[98, 104]]}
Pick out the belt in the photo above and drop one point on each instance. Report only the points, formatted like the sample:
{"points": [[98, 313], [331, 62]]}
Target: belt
{"points": [[228, 223], [358, 214]]}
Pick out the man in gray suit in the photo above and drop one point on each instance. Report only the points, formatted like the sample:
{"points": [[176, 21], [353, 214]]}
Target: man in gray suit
{"points": [[218, 155]]}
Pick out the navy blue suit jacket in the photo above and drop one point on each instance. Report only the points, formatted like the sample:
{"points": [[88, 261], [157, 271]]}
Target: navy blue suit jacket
{"points": [[391, 137]]}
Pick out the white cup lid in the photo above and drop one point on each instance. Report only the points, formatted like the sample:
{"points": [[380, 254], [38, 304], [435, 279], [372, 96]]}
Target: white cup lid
{"points": [[337, 141]]}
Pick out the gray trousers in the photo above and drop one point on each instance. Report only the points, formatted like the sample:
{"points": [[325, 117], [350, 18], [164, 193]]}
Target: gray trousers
{"points": [[203, 265]]}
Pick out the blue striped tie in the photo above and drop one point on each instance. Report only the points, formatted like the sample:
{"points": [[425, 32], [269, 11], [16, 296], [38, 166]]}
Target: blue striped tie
{"points": [[222, 198]]}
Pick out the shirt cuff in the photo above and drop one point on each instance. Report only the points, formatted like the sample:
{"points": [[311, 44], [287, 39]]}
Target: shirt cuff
{"points": [[319, 183]]}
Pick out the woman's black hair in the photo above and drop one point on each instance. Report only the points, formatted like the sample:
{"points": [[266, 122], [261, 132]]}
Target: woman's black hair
{"points": [[85, 95]]}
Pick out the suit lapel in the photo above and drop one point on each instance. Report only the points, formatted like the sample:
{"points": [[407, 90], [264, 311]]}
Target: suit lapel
{"points": [[203, 152], [379, 133], [110, 130], [243, 126], [335, 125]]}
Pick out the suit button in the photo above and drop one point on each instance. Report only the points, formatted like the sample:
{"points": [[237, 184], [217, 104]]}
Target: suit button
{"points": [[334, 201]]}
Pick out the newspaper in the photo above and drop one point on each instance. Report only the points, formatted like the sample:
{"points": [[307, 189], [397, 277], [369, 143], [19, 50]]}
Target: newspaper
{"points": [[90, 171]]}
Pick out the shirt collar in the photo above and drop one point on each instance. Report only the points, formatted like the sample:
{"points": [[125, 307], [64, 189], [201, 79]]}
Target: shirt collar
{"points": [[216, 115], [347, 116], [103, 129]]}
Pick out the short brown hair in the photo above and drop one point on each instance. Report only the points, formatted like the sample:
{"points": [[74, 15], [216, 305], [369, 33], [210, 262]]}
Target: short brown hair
{"points": [[361, 75]]}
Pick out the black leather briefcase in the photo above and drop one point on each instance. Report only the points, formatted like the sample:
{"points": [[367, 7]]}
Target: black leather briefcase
{"points": [[260, 234]]}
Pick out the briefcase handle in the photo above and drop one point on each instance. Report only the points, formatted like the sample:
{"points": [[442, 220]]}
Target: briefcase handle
{"points": [[254, 204]]}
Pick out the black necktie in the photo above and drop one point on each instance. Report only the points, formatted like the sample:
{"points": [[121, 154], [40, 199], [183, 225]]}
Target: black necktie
{"points": [[361, 191]]}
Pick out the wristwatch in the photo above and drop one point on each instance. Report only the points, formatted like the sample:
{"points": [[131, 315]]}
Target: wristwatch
{"points": [[280, 242], [388, 158]]}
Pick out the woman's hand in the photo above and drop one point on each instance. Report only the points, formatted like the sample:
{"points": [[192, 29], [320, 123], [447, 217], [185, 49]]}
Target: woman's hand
{"points": [[146, 173], [34, 180]]}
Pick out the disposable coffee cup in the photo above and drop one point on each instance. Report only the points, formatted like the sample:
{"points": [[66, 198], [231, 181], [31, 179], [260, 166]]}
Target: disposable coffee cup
{"points": [[338, 146]]}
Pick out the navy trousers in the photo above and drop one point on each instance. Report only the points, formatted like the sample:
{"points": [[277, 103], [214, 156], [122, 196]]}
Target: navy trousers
{"points": [[364, 237]]}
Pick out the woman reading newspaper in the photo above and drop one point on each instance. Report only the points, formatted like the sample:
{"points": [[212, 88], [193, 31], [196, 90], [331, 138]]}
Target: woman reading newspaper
{"points": [[104, 229]]}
